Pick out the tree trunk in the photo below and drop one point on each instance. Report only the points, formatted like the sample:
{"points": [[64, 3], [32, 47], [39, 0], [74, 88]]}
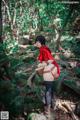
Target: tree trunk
{"points": [[0, 23]]}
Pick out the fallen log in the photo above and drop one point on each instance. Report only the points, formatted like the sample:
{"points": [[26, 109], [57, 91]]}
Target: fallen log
{"points": [[66, 106], [29, 81], [69, 109]]}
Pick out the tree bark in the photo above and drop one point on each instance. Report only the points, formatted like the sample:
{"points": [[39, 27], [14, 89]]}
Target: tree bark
{"points": [[1, 23]]}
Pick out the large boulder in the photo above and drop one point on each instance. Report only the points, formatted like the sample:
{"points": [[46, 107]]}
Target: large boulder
{"points": [[36, 116]]}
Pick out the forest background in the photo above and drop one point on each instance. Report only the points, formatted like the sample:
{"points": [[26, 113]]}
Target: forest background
{"points": [[22, 21]]}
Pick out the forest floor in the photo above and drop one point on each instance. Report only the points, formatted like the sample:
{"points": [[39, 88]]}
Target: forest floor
{"points": [[65, 102], [62, 111]]}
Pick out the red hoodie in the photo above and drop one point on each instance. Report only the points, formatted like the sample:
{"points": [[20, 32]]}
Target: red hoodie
{"points": [[45, 55]]}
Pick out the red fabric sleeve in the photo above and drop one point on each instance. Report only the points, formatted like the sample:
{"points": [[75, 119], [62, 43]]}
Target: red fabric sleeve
{"points": [[45, 54]]}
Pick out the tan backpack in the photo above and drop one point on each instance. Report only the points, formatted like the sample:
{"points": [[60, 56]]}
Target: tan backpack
{"points": [[46, 69]]}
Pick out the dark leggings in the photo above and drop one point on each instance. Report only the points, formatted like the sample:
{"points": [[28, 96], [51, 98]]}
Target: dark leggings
{"points": [[48, 92]]}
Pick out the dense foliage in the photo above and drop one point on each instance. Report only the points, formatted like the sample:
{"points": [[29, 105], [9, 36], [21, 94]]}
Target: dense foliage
{"points": [[22, 22]]}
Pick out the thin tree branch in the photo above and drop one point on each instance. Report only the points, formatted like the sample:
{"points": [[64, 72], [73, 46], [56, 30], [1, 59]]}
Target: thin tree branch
{"points": [[14, 18], [8, 12]]}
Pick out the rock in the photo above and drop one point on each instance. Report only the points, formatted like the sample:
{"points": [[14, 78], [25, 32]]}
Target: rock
{"points": [[73, 64], [67, 54], [36, 116]]}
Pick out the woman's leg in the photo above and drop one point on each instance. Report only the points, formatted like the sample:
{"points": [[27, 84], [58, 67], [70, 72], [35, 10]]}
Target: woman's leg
{"points": [[52, 96], [48, 94]]}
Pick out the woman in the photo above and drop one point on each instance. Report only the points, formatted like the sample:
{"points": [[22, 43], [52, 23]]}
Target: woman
{"points": [[45, 57]]}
